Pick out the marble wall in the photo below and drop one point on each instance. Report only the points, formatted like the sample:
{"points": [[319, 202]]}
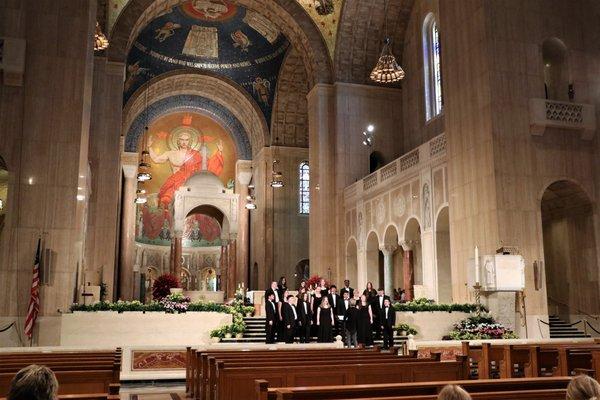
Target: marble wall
{"points": [[45, 141]]}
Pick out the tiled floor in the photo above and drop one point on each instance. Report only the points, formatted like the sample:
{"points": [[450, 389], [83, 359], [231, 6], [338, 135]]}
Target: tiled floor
{"points": [[150, 391]]}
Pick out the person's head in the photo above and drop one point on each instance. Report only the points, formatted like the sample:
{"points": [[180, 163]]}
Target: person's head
{"points": [[380, 292], [583, 387], [304, 296], [289, 297], [273, 285], [302, 290], [322, 282], [346, 295], [333, 289], [183, 140], [271, 297], [34, 382], [325, 302], [282, 281], [286, 294], [386, 303], [453, 392], [352, 303], [363, 299], [369, 286], [347, 283], [302, 283]]}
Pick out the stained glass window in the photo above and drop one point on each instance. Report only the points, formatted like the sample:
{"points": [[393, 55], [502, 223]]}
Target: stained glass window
{"points": [[303, 188], [432, 66]]}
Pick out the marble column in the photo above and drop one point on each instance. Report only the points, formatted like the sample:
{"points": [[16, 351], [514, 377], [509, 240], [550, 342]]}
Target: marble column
{"points": [[408, 270], [244, 176], [388, 268], [231, 270], [127, 258], [177, 256]]}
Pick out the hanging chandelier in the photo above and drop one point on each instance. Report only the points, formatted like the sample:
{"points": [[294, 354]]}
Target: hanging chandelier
{"points": [[140, 194], [276, 177], [100, 39], [387, 69]]}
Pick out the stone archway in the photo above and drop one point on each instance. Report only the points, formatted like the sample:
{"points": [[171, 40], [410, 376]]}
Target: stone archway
{"points": [[570, 251], [207, 85], [413, 259], [352, 261], [287, 15], [391, 262], [374, 261]]}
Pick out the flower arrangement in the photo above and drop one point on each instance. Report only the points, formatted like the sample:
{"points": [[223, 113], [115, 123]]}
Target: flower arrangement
{"points": [[176, 302], [163, 284], [405, 329], [482, 326], [314, 281], [424, 304]]}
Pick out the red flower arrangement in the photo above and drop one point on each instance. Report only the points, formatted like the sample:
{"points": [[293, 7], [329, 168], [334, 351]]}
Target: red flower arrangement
{"points": [[163, 284], [314, 280]]}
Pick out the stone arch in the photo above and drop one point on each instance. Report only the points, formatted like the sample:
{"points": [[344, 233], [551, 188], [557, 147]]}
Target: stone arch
{"points": [[570, 250], [352, 260], [204, 84], [374, 259], [214, 210], [289, 121], [555, 58], [289, 17], [393, 272], [360, 36], [412, 242]]}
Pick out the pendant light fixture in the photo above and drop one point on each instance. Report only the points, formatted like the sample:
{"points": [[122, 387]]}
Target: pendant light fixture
{"points": [[387, 69], [276, 176], [144, 167], [100, 40]]}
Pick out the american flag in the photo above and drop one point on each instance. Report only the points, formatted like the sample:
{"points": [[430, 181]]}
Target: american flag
{"points": [[34, 300]]}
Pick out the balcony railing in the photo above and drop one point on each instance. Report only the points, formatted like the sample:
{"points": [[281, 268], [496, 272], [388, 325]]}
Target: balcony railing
{"points": [[434, 149], [545, 113]]}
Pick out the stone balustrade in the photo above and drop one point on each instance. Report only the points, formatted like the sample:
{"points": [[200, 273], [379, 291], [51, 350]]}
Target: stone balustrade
{"points": [[544, 113]]}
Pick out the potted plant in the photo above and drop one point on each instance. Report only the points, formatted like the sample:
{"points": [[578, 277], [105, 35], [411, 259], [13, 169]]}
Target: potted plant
{"points": [[403, 329], [216, 335], [228, 332]]}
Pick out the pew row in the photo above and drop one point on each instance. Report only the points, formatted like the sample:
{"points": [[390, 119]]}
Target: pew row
{"points": [[408, 390]]}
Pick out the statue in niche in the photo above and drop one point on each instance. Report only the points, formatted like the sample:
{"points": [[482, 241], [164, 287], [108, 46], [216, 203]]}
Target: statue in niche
{"points": [[188, 154], [490, 273]]}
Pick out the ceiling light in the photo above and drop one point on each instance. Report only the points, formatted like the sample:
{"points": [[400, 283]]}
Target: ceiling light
{"points": [[370, 128], [250, 206], [144, 176]]}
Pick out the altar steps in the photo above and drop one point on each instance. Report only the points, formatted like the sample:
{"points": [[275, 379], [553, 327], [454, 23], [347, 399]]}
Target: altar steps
{"points": [[560, 329]]}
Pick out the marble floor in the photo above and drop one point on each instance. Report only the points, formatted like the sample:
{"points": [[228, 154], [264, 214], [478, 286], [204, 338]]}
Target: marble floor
{"points": [[150, 391]]}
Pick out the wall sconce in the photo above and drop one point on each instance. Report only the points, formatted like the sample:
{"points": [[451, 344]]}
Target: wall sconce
{"points": [[277, 177]]}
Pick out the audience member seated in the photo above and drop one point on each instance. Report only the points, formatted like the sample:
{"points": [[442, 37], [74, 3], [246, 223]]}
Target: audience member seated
{"points": [[583, 387], [33, 382], [453, 392]]}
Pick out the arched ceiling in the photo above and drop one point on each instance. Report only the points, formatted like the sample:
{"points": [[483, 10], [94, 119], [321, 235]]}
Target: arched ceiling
{"points": [[219, 93], [287, 16], [360, 36], [228, 39]]}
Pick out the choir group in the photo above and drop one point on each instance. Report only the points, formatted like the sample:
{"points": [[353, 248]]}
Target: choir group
{"points": [[319, 311]]}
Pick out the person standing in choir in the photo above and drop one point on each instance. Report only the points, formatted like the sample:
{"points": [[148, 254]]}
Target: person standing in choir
{"points": [[278, 300], [334, 301], [387, 318], [302, 288], [370, 292], [325, 321], [350, 322], [316, 303], [364, 331], [282, 287], [305, 317], [347, 289], [290, 318], [271, 318], [323, 287], [377, 305]]}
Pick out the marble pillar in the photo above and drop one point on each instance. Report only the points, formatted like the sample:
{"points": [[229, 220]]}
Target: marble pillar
{"points": [[409, 274], [232, 279], [244, 176], [388, 268], [128, 210], [178, 249]]}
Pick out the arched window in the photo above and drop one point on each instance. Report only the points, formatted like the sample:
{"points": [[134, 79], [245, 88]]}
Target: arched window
{"points": [[303, 188], [556, 70], [432, 65]]}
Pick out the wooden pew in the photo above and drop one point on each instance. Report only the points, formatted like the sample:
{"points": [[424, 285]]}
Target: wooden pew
{"points": [[540, 394], [199, 370], [410, 390], [316, 362], [238, 382], [545, 359]]}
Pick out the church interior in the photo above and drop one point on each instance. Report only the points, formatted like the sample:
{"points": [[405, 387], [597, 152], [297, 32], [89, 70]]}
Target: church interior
{"points": [[180, 179]]}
